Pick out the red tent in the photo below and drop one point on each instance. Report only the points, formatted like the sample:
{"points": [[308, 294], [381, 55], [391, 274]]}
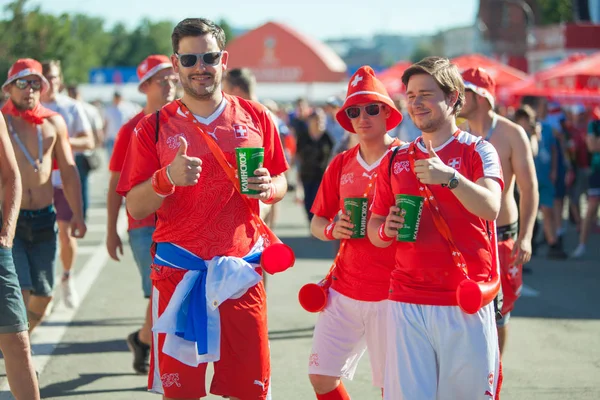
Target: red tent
{"points": [[575, 79], [503, 74], [392, 78]]}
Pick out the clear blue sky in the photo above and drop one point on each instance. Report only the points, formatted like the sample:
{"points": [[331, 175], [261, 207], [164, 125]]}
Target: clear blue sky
{"points": [[319, 18]]}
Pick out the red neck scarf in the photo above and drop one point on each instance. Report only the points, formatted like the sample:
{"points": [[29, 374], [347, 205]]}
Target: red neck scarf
{"points": [[35, 116]]}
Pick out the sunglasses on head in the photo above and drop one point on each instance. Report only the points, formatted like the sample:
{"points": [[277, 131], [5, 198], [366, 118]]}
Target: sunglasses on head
{"points": [[371, 109], [35, 84], [190, 60]]}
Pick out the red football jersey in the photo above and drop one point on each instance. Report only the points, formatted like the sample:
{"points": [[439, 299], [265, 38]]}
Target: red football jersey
{"points": [[117, 160], [363, 270], [210, 218], [425, 272]]}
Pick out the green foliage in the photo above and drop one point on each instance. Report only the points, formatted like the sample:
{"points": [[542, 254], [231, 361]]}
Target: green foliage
{"points": [[79, 41], [423, 49], [554, 11]]}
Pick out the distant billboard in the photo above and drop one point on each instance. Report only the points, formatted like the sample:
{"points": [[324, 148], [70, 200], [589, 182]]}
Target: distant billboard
{"points": [[116, 75]]}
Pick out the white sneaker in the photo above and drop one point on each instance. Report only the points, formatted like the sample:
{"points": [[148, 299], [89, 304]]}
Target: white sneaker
{"points": [[579, 251], [68, 293]]}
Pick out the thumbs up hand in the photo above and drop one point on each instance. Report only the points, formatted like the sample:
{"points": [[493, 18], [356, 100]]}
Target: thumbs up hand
{"points": [[184, 170], [432, 170]]}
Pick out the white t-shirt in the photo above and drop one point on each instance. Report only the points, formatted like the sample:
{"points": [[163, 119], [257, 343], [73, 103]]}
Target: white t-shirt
{"points": [[116, 116], [76, 119]]}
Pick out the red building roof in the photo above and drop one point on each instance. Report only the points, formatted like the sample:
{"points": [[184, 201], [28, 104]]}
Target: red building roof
{"points": [[278, 53]]}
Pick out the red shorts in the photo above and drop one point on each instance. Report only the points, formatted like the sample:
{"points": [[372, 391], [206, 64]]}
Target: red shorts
{"points": [[511, 276], [244, 368]]}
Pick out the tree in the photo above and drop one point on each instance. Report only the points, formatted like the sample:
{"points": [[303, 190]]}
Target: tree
{"points": [[554, 11], [423, 49], [227, 29]]}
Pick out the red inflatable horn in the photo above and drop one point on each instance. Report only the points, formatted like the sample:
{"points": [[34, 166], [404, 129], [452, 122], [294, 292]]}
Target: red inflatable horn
{"points": [[313, 296], [277, 258], [472, 296]]}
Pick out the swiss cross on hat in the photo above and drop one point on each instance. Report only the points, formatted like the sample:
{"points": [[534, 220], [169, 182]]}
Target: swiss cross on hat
{"points": [[363, 88], [22, 68], [151, 66], [480, 82]]}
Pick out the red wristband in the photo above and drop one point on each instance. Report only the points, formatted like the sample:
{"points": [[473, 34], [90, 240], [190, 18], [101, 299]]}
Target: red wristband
{"points": [[382, 235], [162, 184], [329, 231]]}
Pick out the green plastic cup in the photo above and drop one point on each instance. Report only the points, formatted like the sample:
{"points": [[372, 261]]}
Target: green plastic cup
{"points": [[411, 208], [357, 208], [249, 159]]}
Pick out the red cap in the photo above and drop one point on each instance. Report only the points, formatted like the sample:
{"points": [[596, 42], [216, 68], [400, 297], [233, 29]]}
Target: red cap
{"points": [[151, 66], [24, 67], [364, 87], [480, 82]]}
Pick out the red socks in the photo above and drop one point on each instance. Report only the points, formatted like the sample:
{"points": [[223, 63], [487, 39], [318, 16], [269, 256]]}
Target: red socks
{"points": [[339, 393]]}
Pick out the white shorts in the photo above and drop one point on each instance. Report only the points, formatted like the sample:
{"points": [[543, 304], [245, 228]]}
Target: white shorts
{"points": [[441, 353], [344, 330]]}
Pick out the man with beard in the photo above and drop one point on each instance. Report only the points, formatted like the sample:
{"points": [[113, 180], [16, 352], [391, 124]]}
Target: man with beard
{"points": [[437, 346], [158, 83], [514, 225], [175, 170], [41, 137]]}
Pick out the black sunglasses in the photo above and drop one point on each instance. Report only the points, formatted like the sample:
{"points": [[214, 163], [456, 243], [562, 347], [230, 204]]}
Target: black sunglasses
{"points": [[371, 109], [35, 84], [190, 60]]}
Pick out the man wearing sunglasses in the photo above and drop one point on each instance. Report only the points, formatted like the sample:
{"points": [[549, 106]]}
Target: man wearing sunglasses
{"points": [[39, 136], [171, 170], [81, 139], [158, 82], [355, 318], [437, 348], [514, 225]]}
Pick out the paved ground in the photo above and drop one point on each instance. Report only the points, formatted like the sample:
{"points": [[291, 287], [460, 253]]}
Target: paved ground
{"points": [[553, 351]]}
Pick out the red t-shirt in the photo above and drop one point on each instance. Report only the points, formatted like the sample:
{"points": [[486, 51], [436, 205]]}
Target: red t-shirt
{"points": [[425, 272], [363, 270], [117, 160], [210, 218]]}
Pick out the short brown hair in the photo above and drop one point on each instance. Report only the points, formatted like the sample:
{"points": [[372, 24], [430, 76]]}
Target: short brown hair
{"points": [[444, 73], [527, 113], [197, 27], [242, 78], [47, 65]]}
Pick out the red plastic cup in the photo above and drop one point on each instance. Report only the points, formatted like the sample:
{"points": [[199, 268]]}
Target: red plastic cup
{"points": [[277, 258], [313, 296]]}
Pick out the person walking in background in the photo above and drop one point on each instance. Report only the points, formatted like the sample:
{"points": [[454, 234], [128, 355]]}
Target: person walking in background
{"points": [[313, 151], [158, 82], [593, 143], [81, 139], [515, 223], [115, 115]]}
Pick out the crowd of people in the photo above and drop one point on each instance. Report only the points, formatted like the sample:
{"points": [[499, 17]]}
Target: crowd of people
{"points": [[432, 312]]}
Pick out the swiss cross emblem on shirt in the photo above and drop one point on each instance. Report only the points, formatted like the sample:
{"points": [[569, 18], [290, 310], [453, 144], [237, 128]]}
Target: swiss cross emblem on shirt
{"points": [[241, 131], [454, 162]]}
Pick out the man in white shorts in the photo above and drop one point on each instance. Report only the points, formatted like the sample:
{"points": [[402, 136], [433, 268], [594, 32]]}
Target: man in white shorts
{"points": [[355, 317], [438, 348]]}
